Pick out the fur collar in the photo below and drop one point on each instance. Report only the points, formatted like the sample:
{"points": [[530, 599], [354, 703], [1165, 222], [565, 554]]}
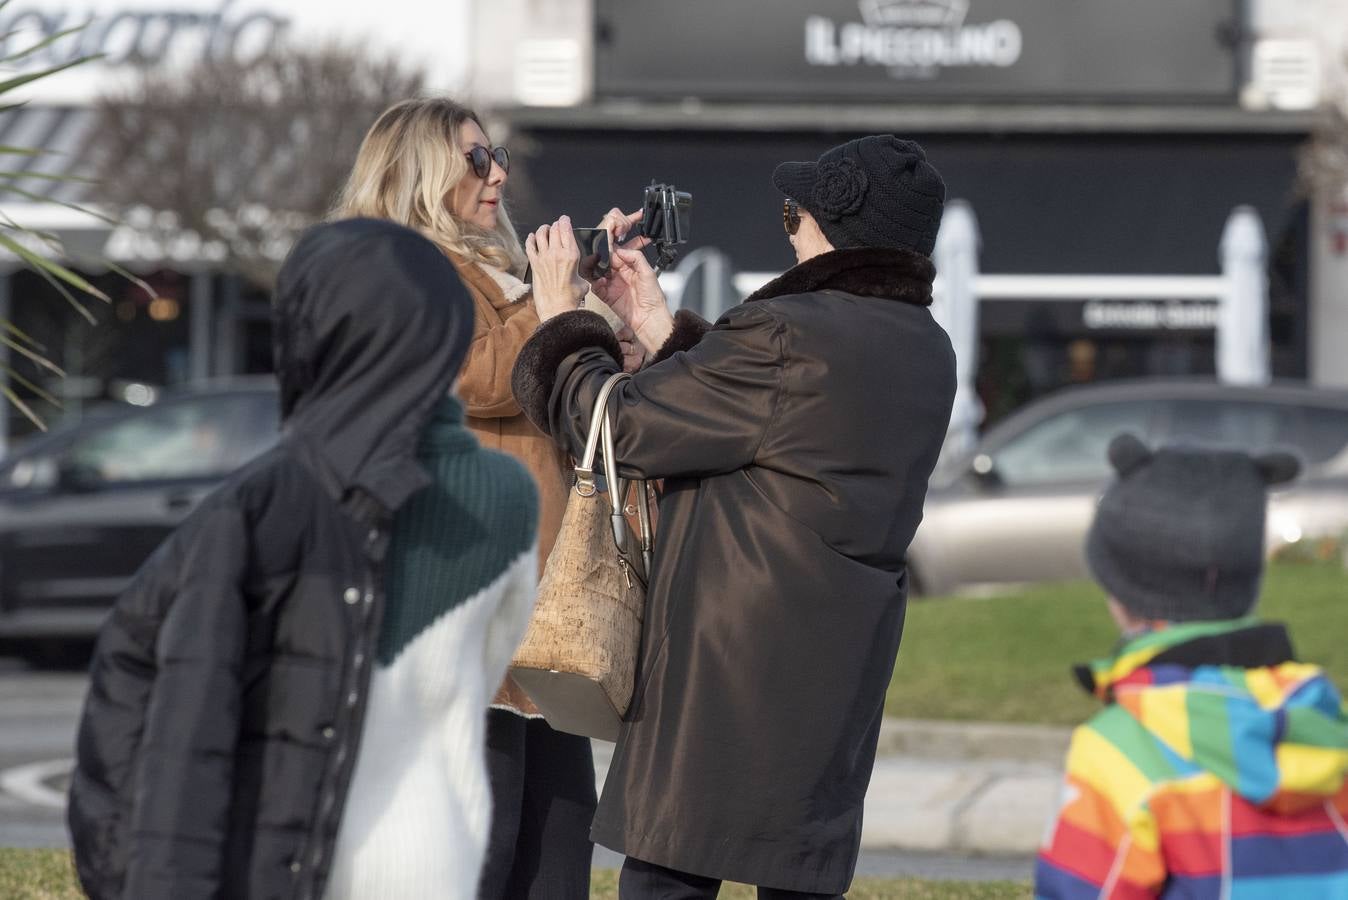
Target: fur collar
{"points": [[865, 271], [511, 287]]}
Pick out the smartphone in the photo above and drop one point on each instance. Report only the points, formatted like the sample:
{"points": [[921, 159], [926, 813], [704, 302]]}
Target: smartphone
{"points": [[594, 252]]}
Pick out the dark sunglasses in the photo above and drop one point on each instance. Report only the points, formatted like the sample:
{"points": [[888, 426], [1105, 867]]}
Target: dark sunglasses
{"points": [[790, 216], [482, 158]]}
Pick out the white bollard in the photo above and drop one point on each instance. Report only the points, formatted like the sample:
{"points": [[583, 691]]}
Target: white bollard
{"points": [[1242, 317], [955, 307]]}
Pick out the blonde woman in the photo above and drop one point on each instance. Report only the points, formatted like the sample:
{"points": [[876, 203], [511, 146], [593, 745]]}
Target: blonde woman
{"points": [[428, 164]]}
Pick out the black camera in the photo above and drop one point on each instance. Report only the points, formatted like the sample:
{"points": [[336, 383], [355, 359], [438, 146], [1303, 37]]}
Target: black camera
{"points": [[665, 214], [665, 220]]}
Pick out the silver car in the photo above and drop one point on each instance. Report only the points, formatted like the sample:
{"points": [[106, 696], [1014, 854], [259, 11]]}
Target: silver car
{"points": [[1016, 508]]}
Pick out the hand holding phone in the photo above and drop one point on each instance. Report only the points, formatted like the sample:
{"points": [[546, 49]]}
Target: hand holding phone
{"points": [[594, 253]]}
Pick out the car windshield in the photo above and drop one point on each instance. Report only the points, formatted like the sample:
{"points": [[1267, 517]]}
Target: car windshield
{"points": [[192, 438], [1072, 445], [196, 437], [1317, 433]]}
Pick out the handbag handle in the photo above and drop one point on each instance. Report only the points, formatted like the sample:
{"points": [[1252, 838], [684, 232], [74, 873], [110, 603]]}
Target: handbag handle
{"points": [[599, 423], [601, 429]]}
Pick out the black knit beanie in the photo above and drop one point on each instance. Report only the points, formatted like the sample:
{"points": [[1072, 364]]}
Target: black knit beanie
{"points": [[1179, 536], [876, 191]]}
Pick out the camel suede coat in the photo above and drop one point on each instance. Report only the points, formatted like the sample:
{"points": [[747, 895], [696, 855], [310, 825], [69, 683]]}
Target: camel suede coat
{"points": [[500, 328]]}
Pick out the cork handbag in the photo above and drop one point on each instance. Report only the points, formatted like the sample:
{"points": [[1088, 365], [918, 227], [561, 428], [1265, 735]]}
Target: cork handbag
{"points": [[578, 660]]}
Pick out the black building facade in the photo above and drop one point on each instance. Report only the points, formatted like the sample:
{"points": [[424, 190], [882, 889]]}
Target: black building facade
{"points": [[1089, 139]]}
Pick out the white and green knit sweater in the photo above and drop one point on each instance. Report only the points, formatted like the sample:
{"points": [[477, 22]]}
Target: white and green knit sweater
{"points": [[461, 573]]}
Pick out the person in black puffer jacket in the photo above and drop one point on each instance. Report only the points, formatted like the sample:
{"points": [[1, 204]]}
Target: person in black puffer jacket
{"points": [[229, 685]]}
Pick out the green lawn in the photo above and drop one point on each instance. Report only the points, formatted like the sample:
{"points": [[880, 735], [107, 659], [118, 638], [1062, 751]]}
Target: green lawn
{"points": [[47, 875], [997, 659], [1007, 659], [605, 887], [37, 875]]}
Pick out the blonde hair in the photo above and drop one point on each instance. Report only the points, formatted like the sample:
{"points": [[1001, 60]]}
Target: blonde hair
{"points": [[408, 163]]}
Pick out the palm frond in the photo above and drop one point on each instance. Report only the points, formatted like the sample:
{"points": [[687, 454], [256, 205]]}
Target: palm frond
{"points": [[19, 335], [34, 357], [16, 238], [14, 375], [130, 276], [41, 45], [47, 176], [21, 80], [39, 261], [22, 407], [39, 198], [56, 247]]}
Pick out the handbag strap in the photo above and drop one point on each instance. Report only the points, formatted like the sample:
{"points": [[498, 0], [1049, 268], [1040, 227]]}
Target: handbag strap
{"points": [[599, 423], [601, 431]]}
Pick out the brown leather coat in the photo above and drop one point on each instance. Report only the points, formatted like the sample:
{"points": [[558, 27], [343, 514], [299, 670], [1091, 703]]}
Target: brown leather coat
{"points": [[796, 438], [500, 329]]}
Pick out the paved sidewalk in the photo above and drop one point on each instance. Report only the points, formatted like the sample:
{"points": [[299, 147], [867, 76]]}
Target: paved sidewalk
{"points": [[955, 787]]}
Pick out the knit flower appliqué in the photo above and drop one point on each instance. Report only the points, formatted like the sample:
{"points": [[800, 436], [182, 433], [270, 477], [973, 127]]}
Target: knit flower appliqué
{"points": [[839, 189]]}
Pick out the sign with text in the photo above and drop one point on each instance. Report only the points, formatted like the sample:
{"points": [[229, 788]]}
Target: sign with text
{"points": [[1055, 319], [914, 49], [1150, 315], [128, 34]]}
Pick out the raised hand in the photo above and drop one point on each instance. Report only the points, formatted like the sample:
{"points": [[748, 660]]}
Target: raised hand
{"points": [[619, 225], [634, 293], [553, 257]]}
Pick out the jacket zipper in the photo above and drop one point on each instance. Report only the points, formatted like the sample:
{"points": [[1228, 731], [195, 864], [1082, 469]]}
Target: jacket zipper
{"points": [[339, 770]]}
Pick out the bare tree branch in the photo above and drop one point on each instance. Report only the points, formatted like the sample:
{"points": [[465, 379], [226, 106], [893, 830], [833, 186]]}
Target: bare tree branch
{"points": [[242, 157], [1323, 161]]}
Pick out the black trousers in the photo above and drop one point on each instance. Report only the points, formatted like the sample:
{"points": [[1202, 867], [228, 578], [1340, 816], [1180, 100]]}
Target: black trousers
{"points": [[543, 802], [646, 881]]}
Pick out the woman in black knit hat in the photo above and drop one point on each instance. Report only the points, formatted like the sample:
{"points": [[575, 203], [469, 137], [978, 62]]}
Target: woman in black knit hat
{"points": [[795, 437]]}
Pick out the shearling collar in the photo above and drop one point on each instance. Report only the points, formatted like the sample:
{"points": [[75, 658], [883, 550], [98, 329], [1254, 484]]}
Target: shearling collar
{"points": [[511, 287], [865, 271]]}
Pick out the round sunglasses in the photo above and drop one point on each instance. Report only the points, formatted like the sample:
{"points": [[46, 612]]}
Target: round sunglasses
{"points": [[790, 216], [481, 159]]}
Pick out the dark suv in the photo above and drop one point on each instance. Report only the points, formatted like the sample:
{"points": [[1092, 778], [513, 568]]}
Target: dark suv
{"points": [[82, 508]]}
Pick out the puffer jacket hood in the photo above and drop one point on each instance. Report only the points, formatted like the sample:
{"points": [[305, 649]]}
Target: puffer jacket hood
{"points": [[1275, 733], [372, 326]]}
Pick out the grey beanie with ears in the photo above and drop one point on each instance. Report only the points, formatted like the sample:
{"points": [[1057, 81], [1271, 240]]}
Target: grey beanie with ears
{"points": [[1179, 536]]}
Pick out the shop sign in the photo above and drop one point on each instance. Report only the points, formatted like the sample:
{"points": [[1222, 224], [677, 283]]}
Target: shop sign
{"points": [[127, 35], [139, 35], [1149, 315], [913, 40], [910, 49]]}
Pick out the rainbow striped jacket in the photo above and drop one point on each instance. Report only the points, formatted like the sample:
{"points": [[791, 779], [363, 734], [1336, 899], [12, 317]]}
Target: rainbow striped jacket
{"points": [[1217, 769]]}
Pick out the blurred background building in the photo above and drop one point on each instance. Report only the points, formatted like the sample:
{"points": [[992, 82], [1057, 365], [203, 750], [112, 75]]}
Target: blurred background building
{"points": [[1123, 169]]}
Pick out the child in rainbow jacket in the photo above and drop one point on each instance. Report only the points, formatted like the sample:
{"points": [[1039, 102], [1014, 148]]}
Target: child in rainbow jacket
{"points": [[1217, 767]]}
